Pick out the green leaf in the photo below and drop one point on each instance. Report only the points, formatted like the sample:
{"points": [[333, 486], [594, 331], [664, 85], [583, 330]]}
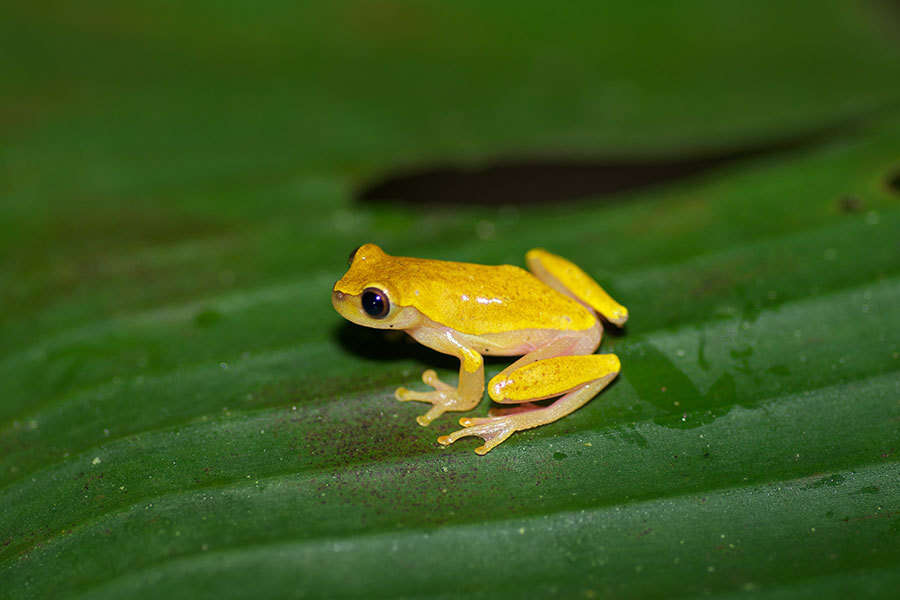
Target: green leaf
{"points": [[184, 415]]}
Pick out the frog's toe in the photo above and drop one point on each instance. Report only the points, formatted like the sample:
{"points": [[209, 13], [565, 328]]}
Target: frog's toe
{"points": [[431, 378], [493, 431], [426, 419], [439, 400], [404, 395], [472, 421]]}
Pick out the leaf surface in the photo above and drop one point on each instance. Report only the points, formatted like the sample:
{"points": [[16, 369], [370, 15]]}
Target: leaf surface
{"points": [[184, 415]]}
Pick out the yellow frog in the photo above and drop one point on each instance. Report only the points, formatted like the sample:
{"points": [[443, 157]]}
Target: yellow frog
{"points": [[547, 316]]}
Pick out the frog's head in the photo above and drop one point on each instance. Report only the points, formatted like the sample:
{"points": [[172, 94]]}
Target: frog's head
{"points": [[366, 296]]}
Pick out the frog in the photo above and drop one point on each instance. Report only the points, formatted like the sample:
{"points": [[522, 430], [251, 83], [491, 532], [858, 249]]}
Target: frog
{"points": [[551, 316]]}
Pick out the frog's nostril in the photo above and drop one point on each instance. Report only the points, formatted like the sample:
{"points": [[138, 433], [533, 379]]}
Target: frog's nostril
{"points": [[337, 296]]}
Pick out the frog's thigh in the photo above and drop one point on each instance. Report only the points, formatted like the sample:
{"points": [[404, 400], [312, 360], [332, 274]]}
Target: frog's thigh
{"points": [[550, 377], [583, 343]]}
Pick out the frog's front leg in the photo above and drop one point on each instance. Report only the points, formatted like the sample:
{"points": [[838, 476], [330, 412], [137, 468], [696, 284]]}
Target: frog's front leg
{"points": [[445, 397], [579, 378]]}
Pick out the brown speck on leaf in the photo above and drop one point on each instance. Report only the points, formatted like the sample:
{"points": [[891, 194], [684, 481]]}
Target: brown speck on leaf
{"points": [[850, 204]]}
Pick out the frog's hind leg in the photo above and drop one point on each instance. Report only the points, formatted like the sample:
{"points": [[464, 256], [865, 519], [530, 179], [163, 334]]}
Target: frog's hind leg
{"points": [[579, 378], [566, 366], [568, 278], [584, 343]]}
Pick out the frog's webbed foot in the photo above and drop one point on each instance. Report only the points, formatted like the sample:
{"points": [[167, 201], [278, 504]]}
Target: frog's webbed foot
{"points": [[493, 430], [444, 397]]}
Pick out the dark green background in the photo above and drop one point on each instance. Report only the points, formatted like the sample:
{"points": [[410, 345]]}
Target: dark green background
{"points": [[182, 414]]}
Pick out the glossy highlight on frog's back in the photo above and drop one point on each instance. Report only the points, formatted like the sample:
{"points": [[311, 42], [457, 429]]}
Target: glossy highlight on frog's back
{"points": [[477, 299]]}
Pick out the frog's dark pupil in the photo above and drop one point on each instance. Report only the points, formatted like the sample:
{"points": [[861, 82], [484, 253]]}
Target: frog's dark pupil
{"points": [[375, 303]]}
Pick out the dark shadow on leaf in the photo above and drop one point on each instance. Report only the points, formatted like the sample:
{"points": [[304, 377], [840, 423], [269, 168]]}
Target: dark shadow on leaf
{"points": [[893, 182], [386, 345], [380, 345], [613, 331], [548, 180]]}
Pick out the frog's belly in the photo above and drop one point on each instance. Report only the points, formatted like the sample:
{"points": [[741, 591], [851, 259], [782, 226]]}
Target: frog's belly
{"points": [[521, 342]]}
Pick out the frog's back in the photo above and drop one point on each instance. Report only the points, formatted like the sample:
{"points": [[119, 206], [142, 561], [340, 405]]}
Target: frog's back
{"points": [[482, 299]]}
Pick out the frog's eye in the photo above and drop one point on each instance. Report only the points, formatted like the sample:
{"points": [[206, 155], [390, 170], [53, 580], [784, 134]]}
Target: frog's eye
{"points": [[353, 255], [375, 303]]}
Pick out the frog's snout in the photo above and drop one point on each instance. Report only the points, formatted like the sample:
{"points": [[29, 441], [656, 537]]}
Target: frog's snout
{"points": [[337, 300], [343, 304]]}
